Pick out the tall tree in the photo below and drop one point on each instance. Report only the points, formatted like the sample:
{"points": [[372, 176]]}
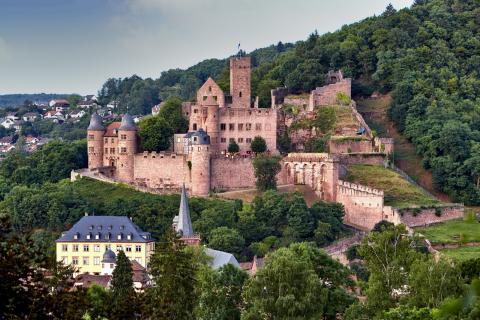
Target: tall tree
{"points": [[266, 170], [173, 270], [123, 293]]}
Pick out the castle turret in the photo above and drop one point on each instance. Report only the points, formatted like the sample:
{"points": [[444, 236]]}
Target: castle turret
{"points": [[211, 123], [240, 75], [109, 262], [127, 145], [200, 150], [95, 132]]}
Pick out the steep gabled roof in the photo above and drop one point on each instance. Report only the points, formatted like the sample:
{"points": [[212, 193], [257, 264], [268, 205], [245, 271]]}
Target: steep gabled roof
{"points": [[184, 223]]}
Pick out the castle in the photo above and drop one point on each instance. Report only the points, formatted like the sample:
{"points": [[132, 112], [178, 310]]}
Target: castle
{"points": [[199, 159]]}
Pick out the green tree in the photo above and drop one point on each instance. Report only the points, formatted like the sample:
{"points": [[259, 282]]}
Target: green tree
{"points": [[171, 111], [173, 271], [233, 147], [258, 145], [99, 302], [226, 239], [220, 293], [325, 119], [293, 285], [266, 170], [123, 293], [155, 133]]}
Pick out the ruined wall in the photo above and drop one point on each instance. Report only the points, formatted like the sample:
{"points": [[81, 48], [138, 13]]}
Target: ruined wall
{"points": [[301, 101], [362, 158], [430, 216], [161, 170], [232, 173], [352, 145], [363, 205], [327, 95]]}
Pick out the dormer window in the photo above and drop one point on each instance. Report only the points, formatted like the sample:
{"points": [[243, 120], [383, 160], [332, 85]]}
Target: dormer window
{"points": [[110, 227], [129, 236], [90, 227], [76, 236], [122, 227], [99, 227], [107, 236], [89, 236], [98, 236], [119, 236]]}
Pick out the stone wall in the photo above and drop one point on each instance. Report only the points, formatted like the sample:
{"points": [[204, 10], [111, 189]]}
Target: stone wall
{"points": [[232, 173], [327, 95], [350, 145], [362, 158], [161, 170], [363, 205], [428, 216]]}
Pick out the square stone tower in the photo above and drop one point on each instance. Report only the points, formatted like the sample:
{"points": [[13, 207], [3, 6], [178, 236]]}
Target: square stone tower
{"points": [[240, 75]]}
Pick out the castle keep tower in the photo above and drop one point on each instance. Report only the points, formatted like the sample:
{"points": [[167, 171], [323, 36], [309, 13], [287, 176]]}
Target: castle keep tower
{"points": [[200, 150], [240, 75], [127, 147], [211, 123], [95, 132]]}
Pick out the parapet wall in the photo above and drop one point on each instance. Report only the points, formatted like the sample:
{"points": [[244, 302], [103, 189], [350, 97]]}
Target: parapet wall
{"points": [[327, 95], [424, 217], [160, 170], [362, 158], [232, 173], [352, 145]]}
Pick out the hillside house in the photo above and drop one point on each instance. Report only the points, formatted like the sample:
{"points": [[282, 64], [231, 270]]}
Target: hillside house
{"points": [[31, 116]]}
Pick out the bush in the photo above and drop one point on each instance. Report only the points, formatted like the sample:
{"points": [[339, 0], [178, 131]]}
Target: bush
{"points": [[343, 99], [233, 147], [258, 145], [266, 170]]}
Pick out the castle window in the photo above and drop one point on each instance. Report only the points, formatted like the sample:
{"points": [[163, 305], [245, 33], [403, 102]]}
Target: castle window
{"points": [[223, 126], [90, 137], [240, 140], [223, 140], [86, 248], [196, 110], [112, 140], [231, 140], [215, 98], [75, 260], [194, 126], [258, 126], [123, 150], [106, 150], [106, 140], [90, 149], [240, 94], [96, 248], [138, 248], [119, 248], [204, 98], [240, 127], [64, 247], [248, 126], [199, 149], [209, 89], [248, 140], [85, 261], [96, 261], [112, 150], [123, 137], [128, 248], [75, 248], [231, 126]]}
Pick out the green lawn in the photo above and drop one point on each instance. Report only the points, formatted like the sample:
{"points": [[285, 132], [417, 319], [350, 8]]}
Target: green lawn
{"points": [[454, 231], [462, 253], [399, 193]]}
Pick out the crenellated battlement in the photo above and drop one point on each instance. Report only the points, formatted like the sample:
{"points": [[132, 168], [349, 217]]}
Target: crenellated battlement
{"points": [[348, 188], [241, 112], [159, 155]]}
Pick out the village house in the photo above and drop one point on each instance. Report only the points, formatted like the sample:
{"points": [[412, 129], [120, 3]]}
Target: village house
{"points": [[59, 104], [77, 114], [31, 116]]}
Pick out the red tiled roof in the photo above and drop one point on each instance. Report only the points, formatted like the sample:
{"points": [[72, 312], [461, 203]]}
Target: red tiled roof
{"points": [[86, 280], [111, 127]]}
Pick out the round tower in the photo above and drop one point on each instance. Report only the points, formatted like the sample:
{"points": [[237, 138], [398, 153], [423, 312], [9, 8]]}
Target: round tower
{"points": [[200, 150], [211, 123], [95, 132], [127, 148]]}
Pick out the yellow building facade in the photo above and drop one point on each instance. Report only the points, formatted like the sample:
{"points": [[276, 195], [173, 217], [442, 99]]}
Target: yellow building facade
{"points": [[85, 243]]}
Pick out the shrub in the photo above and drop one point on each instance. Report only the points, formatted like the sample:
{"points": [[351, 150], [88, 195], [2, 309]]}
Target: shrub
{"points": [[343, 99], [258, 145], [233, 147]]}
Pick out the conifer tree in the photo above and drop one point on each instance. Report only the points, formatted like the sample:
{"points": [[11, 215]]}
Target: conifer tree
{"points": [[123, 293], [173, 270]]}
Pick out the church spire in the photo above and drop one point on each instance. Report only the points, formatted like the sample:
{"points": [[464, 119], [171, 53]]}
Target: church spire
{"points": [[184, 221]]}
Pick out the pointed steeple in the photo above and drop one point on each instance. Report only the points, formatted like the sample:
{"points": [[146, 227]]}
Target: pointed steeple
{"points": [[184, 222]]}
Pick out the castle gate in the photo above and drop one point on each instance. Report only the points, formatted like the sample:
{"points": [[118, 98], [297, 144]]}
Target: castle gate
{"points": [[317, 170]]}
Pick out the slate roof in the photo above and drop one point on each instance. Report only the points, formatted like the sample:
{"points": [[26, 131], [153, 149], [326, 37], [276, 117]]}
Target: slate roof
{"points": [[184, 222], [220, 258], [108, 229], [96, 123], [127, 123]]}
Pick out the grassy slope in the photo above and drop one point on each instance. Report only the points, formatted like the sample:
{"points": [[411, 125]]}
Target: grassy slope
{"points": [[375, 113], [455, 231], [462, 253], [399, 192]]}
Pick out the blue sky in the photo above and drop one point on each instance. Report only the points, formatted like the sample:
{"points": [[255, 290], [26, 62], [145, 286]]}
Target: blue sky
{"points": [[65, 46]]}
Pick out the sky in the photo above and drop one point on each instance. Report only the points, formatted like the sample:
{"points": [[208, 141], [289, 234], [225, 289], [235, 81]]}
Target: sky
{"points": [[73, 46]]}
